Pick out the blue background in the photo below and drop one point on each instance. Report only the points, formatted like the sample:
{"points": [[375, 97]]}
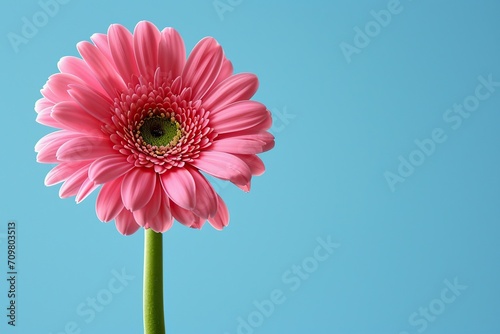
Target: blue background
{"points": [[340, 126]]}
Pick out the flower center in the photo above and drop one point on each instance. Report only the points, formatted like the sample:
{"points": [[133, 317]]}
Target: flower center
{"points": [[159, 130]]}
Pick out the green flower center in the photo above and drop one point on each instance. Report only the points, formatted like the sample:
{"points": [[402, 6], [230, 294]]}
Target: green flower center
{"points": [[160, 130]]}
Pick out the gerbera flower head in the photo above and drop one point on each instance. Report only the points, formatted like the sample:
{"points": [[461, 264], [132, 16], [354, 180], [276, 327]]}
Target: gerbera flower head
{"points": [[142, 122]]}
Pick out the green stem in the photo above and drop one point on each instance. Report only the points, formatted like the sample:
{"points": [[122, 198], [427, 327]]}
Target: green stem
{"points": [[153, 283]]}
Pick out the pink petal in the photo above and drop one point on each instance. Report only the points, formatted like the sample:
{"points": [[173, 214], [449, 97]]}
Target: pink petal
{"points": [[225, 166], [206, 197], [138, 187], [239, 116], [80, 69], [180, 187], [101, 42], [84, 148], [203, 66], [121, 44], [164, 219], [185, 217], [171, 53], [43, 103], [235, 88], [50, 137], [59, 85], [176, 86], [254, 163], [86, 189], [245, 144], [48, 93], [199, 223], [62, 171], [221, 218], [267, 123], [95, 104], [108, 168], [73, 183], [102, 69], [47, 146], [146, 41], [109, 201], [226, 71], [261, 126], [252, 134], [145, 215], [71, 116], [125, 223], [159, 218], [45, 117]]}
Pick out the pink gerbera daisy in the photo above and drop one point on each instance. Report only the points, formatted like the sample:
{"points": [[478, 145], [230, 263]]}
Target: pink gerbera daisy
{"points": [[142, 121]]}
